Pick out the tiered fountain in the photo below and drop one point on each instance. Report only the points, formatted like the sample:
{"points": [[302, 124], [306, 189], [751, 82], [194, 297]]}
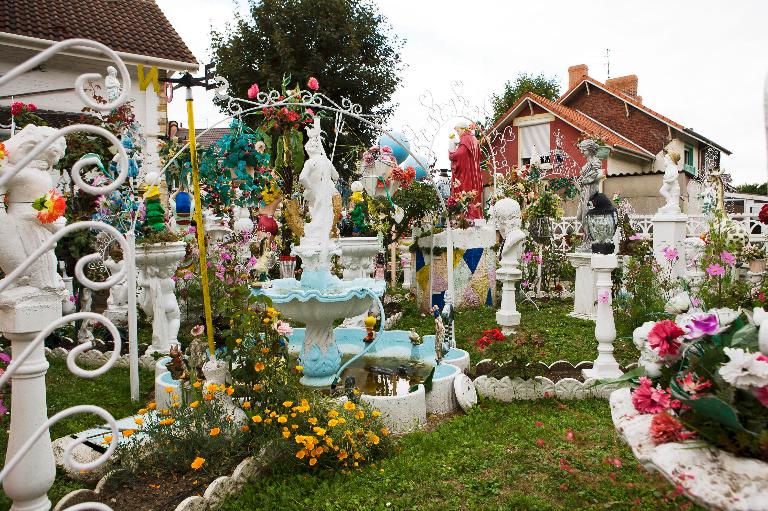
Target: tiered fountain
{"points": [[387, 368]]}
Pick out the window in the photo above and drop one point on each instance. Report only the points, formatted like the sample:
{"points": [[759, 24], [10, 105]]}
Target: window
{"points": [[534, 140], [688, 165]]}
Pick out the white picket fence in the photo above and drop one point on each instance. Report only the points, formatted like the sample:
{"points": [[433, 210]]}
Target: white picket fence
{"points": [[758, 232]]}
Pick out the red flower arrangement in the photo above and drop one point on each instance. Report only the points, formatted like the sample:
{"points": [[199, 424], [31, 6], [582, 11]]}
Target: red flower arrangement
{"points": [[489, 337], [19, 108], [664, 337], [404, 175], [50, 207]]}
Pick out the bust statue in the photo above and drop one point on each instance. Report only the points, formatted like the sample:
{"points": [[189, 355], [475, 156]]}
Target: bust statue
{"points": [[670, 186], [112, 84], [508, 222], [588, 183], [21, 231], [319, 180], [465, 167]]}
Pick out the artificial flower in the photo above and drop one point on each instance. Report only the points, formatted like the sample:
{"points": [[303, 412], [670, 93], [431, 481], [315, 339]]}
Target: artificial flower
{"points": [[604, 297], [283, 328], [745, 370], [761, 394], [647, 399], [693, 384], [678, 304], [665, 428], [701, 325], [253, 91], [664, 338], [197, 330], [50, 207], [3, 151], [312, 83], [670, 253]]}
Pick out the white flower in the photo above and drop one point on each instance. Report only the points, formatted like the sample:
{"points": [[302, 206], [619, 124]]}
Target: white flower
{"points": [[679, 303], [725, 316], [649, 359], [744, 371], [640, 334]]}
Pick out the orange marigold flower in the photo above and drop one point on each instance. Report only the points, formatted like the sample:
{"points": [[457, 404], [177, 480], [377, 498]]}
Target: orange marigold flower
{"points": [[167, 422], [128, 432], [312, 462], [349, 405], [194, 404], [282, 419], [215, 431], [312, 420], [286, 433], [259, 366], [139, 421], [244, 427], [197, 384], [142, 411], [152, 406], [230, 391], [197, 463], [256, 418], [107, 439], [301, 454], [360, 414], [287, 404], [246, 405], [169, 389]]}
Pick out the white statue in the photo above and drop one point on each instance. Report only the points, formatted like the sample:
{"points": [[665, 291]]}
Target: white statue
{"points": [[319, 180], [112, 84], [85, 332], [118, 294], [589, 183], [508, 222], [21, 231], [670, 187], [158, 301]]}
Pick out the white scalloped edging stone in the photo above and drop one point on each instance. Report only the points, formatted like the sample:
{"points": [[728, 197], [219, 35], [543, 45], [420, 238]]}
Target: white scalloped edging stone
{"points": [[96, 358], [709, 476], [513, 389], [392, 320]]}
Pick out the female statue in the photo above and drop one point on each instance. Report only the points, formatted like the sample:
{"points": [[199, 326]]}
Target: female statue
{"points": [[589, 184], [319, 180]]}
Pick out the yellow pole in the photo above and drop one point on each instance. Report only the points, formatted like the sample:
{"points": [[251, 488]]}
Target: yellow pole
{"points": [[199, 227]]}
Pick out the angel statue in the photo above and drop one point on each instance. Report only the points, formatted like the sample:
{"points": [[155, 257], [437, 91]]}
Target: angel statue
{"points": [[319, 180]]}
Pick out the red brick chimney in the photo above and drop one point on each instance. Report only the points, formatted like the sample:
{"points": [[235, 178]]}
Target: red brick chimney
{"points": [[576, 73], [626, 84]]}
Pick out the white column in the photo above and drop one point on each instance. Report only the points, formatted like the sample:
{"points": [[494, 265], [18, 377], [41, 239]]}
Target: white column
{"points": [[584, 293], [605, 366], [507, 316], [669, 231], [24, 312]]}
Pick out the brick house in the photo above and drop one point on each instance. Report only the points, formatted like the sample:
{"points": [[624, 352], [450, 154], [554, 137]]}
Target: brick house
{"points": [[613, 111], [136, 29]]}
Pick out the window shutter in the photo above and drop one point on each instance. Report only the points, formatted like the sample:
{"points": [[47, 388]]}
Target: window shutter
{"points": [[538, 135]]}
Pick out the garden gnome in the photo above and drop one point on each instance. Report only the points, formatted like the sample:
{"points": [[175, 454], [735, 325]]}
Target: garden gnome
{"points": [[177, 366], [670, 187], [154, 221], [465, 168], [21, 230], [589, 184]]}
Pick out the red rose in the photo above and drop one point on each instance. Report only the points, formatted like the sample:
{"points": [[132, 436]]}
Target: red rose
{"points": [[763, 215]]}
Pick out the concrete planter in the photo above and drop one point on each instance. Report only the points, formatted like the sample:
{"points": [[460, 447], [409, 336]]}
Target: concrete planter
{"points": [[358, 256]]}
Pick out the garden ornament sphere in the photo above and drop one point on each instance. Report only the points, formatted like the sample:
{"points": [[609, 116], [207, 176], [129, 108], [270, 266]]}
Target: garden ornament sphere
{"points": [[357, 186], [421, 172], [399, 144], [152, 178], [602, 220]]}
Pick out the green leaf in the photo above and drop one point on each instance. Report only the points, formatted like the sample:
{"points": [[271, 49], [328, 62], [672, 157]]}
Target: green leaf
{"points": [[637, 372], [711, 407], [745, 337]]}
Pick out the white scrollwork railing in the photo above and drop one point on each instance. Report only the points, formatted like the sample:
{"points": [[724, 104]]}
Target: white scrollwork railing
{"points": [[26, 476]]}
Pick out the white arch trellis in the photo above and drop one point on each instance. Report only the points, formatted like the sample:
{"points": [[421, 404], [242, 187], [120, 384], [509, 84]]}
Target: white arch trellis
{"points": [[29, 469]]}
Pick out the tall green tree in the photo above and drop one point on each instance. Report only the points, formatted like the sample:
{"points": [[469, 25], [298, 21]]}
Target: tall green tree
{"points": [[348, 45], [754, 188], [538, 84]]}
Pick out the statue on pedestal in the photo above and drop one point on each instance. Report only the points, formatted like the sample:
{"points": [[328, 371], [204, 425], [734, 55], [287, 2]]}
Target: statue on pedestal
{"points": [[589, 183], [21, 230], [319, 180], [670, 187], [465, 167], [112, 84], [508, 222]]}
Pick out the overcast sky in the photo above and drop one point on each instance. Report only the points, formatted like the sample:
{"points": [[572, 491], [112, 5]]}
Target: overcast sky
{"points": [[700, 62]]}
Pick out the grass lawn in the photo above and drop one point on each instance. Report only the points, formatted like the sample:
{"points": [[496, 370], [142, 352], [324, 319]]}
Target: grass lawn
{"points": [[110, 391], [486, 460]]}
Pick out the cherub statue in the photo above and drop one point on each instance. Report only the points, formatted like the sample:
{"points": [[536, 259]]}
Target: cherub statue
{"points": [[508, 222], [670, 186], [112, 84], [21, 231], [588, 183]]}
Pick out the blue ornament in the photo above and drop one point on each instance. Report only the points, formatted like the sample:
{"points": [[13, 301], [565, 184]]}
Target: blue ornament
{"points": [[400, 152], [421, 173]]}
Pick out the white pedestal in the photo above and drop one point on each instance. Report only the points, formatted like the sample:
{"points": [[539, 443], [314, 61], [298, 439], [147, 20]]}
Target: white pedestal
{"points": [[507, 316], [605, 366], [584, 294], [669, 231], [24, 311]]}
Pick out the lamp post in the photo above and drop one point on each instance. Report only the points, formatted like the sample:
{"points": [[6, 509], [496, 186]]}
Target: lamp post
{"points": [[603, 220]]}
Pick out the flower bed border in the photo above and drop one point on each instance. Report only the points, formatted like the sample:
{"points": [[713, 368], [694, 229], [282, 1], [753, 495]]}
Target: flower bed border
{"points": [[96, 358], [709, 476]]}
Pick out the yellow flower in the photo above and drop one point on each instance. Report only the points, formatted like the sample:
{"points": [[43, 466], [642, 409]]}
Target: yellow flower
{"points": [[238, 341], [266, 321], [376, 413], [167, 422], [215, 431], [176, 405], [319, 431], [282, 419], [259, 366], [342, 420], [287, 404], [174, 397], [230, 391], [333, 414], [301, 454], [333, 422], [299, 368], [268, 421], [294, 426], [286, 433], [384, 431], [142, 411], [360, 414], [107, 439], [152, 406], [128, 432], [312, 462], [349, 405], [208, 396], [194, 404], [342, 455], [169, 389], [244, 427], [256, 418], [246, 405], [212, 387], [139, 421], [312, 420], [197, 384], [257, 387], [197, 463], [265, 350]]}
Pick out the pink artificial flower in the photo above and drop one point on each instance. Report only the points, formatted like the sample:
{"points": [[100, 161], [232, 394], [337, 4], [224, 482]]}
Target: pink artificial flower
{"points": [[695, 301], [664, 338], [701, 325], [31, 107], [197, 330], [5, 357], [527, 257], [647, 399], [310, 112], [670, 253], [312, 83], [693, 384], [728, 258], [715, 270], [666, 428], [761, 394], [253, 91], [226, 256], [283, 328], [604, 297]]}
